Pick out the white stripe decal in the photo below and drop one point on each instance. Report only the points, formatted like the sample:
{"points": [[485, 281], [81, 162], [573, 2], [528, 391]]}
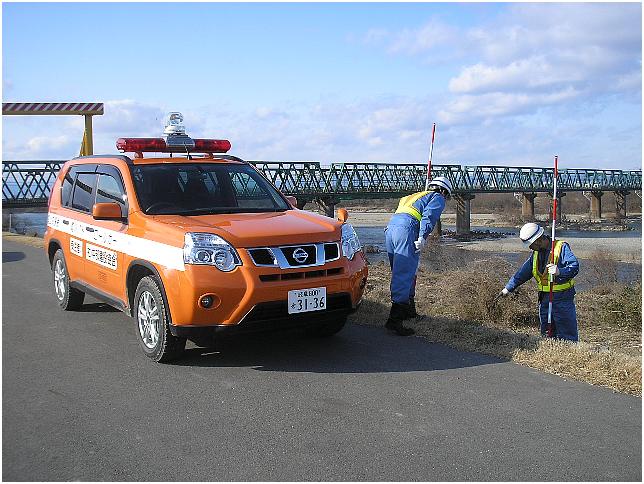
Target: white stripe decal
{"points": [[162, 254]]}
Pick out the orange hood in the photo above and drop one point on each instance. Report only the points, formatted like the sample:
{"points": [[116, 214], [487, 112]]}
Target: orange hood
{"points": [[261, 229]]}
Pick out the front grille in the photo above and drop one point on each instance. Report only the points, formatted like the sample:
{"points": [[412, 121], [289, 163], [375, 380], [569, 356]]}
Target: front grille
{"points": [[331, 252], [287, 276], [279, 309], [288, 257], [295, 255], [262, 257]]}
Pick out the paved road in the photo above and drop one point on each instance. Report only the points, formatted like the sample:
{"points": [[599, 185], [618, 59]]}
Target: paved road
{"points": [[81, 402]]}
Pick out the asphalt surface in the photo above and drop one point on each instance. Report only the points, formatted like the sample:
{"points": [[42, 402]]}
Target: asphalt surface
{"points": [[81, 402]]}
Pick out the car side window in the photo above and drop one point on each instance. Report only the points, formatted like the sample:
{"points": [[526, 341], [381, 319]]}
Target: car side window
{"points": [[109, 190], [83, 198], [66, 189]]}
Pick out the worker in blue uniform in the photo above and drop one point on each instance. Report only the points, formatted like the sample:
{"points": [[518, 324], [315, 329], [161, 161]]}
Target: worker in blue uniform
{"points": [[564, 268], [405, 236]]}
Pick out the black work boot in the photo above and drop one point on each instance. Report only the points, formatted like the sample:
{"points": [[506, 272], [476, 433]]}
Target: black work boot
{"points": [[396, 317], [411, 311]]}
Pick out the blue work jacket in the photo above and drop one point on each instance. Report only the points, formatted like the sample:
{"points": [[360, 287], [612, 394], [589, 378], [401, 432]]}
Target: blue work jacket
{"points": [[429, 207], [568, 268]]}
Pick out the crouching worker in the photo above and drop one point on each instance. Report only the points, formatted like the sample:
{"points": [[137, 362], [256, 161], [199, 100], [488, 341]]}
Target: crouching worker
{"points": [[564, 267], [405, 236]]}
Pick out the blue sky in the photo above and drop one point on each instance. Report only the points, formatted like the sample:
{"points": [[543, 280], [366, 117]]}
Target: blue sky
{"points": [[507, 84]]}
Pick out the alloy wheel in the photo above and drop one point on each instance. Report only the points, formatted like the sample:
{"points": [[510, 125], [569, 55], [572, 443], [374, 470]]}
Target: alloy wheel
{"points": [[60, 277], [148, 317]]}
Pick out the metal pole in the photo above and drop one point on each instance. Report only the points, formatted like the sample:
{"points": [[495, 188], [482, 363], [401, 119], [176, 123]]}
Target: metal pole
{"points": [[552, 250], [429, 163], [89, 142]]}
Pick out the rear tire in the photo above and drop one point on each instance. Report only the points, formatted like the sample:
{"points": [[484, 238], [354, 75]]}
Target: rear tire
{"points": [[152, 323], [327, 328], [68, 298]]}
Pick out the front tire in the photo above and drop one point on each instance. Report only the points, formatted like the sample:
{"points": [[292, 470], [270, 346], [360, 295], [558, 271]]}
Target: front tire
{"points": [[152, 323], [68, 298]]}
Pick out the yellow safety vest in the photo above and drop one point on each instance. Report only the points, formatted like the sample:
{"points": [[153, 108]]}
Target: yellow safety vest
{"points": [[543, 280], [406, 205]]}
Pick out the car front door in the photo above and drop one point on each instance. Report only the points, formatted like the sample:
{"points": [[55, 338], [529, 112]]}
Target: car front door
{"points": [[104, 256]]}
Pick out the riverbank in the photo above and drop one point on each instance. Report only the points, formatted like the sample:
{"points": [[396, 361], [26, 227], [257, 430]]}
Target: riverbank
{"points": [[455, 302], [620, 245]]}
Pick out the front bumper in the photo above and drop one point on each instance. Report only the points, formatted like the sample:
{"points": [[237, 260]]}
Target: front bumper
{"points": [[272, 316], [254, 295]]}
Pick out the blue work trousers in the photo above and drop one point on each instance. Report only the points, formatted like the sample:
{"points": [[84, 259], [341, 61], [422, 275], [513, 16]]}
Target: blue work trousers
{"points": [[400, 235], [564, 316]]}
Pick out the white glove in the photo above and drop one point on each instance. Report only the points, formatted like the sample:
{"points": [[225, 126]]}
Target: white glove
{"points": [[505, 292], [419, 244], [553, 269]]}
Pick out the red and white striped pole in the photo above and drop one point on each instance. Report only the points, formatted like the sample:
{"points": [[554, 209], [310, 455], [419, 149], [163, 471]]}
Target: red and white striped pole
{"points": [[429, 163], [552, 249]]}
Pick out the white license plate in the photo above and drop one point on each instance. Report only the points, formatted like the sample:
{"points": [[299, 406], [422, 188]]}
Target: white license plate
{"points": [[305, 300]]}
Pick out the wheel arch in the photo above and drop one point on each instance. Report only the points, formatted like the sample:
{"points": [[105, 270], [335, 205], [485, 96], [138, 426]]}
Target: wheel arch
{"points": [[137, 270], [52, 248]]}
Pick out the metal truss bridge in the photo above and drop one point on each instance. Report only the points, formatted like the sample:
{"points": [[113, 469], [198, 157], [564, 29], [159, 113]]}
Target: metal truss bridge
{"points": [[28, 183]]}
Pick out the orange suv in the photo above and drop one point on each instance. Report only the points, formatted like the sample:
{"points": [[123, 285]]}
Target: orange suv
{"points": [[196, 245]]}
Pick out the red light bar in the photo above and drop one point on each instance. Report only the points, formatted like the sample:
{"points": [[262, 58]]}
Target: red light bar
{"points": [[212, 145], [139, 145], [158, 145]]}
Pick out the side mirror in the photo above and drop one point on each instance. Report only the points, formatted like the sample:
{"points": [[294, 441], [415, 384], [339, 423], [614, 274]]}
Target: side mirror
{"points": [[343, 215], [292, 200], [107, 211]]}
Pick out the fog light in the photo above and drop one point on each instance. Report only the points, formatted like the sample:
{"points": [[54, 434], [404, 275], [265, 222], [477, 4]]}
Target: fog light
{"points": [[207, 301]]}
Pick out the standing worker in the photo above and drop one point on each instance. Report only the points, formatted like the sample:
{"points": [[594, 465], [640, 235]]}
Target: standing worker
{"points": [[405, 236], [564, 267]]}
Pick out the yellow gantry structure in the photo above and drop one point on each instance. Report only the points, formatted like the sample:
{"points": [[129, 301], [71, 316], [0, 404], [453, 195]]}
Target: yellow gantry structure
{"points": [[60, 109]]}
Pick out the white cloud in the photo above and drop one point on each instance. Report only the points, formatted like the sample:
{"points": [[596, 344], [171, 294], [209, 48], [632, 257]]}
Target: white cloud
{"points": [[492, 128], [532, 56], [41, 148], [431, 35]]}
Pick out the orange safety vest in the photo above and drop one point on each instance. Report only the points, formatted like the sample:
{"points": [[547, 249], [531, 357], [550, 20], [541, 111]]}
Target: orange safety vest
{"points": [[406, 205], [543, 280]]}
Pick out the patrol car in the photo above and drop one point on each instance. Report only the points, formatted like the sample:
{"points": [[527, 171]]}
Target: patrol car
{"points": [[196, 243]]}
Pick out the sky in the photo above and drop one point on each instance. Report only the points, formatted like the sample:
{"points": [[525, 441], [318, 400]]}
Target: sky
{"points": [[505, 83]]}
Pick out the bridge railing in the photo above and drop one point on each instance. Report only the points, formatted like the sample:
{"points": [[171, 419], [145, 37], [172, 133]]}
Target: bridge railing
{"points": [[28, 183]]}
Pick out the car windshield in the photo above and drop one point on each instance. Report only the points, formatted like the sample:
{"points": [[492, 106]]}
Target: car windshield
{"points": [[204, 188]]}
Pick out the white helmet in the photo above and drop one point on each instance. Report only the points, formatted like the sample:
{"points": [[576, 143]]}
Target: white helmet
{"points": [[441, 182], [529, 233]]}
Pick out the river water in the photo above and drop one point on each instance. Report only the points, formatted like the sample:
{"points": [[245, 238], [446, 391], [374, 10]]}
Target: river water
{"points": [[626, 246]]}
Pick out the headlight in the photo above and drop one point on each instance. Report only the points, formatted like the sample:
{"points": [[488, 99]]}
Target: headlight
{"points": [[209, 249], [350, 242]]}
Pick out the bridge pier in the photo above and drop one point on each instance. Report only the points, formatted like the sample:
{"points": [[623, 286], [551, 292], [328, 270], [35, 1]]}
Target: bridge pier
{"points": [[596, 205], [527, 206], [560, 212], [463, 211], [620, 204], [327, 205]]}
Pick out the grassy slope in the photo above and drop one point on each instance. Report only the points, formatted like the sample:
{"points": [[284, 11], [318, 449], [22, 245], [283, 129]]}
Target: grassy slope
{"points": [[456, 302]]}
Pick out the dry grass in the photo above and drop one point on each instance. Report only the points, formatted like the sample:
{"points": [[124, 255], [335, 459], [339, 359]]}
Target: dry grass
{"points": [[24, 239], [456, 301]]}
